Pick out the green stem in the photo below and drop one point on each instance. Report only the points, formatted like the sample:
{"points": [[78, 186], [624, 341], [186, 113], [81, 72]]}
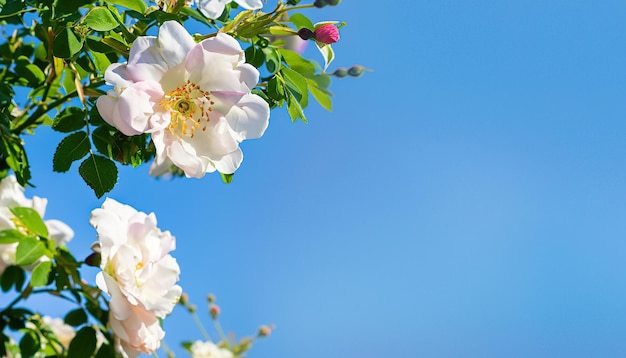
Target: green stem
{"points": [[298, 7], [220, 331], [196, 319]]}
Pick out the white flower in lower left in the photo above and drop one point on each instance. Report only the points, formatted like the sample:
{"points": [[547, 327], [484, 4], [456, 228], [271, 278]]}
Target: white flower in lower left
{"points": [[137, 272]]}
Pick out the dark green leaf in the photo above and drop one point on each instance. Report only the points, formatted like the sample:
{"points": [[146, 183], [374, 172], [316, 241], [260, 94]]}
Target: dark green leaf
{"points": [[9, 236], [84, 343], [12, 276], [106, 351], [69, 7], [100, 19], [301, 21], [76, 317], [29, 251], [272, 59], [31, 220], [40, 274], [69, 120], [66, 43], [29, 344], [255, 56], [72, 148], [99, 173]]}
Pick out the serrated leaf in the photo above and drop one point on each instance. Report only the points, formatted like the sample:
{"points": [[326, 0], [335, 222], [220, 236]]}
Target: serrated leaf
{"points": [[137, 5], [72, 148], [40, 274], [76, 317], [69, 120], [10, 236], [29, 251], [84, 343], [99, 173], [100, 19], [301, 21], [66, 44]]}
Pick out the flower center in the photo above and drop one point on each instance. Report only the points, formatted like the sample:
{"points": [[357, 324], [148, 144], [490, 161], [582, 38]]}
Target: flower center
{"points": [[189, 108]]}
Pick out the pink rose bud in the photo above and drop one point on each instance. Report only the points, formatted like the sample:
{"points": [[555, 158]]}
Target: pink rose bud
{"points": [[327, 34], [214, 310], [264, 331]]}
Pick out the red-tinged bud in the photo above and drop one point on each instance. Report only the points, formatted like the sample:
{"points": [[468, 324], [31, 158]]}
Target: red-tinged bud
{"points": [[305, 33], [264, 331], [327, 34], [214, 310]]}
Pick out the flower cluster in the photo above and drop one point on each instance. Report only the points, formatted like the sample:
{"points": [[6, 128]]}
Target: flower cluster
{"points": [[12, 196], [194, 99], [201, 349], [138, 273]]}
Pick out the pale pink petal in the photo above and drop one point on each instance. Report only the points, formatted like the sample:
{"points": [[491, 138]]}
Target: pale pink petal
{"points": [[249, 117], [59, 231], [250, 4], [145, 61], [137, 102], [174, 42], [249, 75], [212, 8], [230, 162], [187, 161]]}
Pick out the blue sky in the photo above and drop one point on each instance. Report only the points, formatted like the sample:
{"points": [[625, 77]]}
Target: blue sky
{"points": [[465, 199]]}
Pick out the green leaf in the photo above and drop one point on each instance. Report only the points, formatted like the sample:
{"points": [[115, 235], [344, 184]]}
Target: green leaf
{"points": [[322, 97], [29, 251], [99, 173], [294, 109], [31, 220], [66, 43], [29, 344], [106, 351], [62, 7], [73, 147], [101, 61], [84, 343], [9, 236], [69, 120], [12, 276], [137, 5], [297, 62], [255, 56], [301, 21], [272, 59], [76, 317], [100, 19], [296, 84], [327, 53], [40, 274]]}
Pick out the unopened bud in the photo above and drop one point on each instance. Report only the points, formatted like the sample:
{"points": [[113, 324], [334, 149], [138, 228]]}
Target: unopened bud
{"points": [[93, 260], [264, 331], [214, 311], [333, 2], [210, 297], [356, 70], [340, 72], [184, 299], [305, 33], [320, 3], [293, 2], [192, 308], [327, 34]]}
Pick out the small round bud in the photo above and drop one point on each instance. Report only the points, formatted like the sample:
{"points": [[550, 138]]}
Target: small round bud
{"points": [[293, 2], [340, 72], [214, 311], [320, 3], [192, 308], [305, 33], [184, 299], [327, 34], [210, 297], [264, 331], [356, 70]]}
